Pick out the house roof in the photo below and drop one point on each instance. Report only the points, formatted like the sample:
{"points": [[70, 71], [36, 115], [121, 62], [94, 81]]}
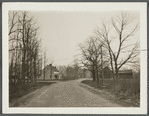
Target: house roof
{"points": [[105, 68], [125, 71], [55, 69]]}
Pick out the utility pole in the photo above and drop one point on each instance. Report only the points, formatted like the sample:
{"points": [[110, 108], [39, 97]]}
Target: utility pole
{"points": [[38, 67], [41, 66], [44, 63], [51, 70], [102, 66]]}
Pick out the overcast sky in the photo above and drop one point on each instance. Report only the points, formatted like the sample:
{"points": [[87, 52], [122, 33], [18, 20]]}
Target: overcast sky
{"points": [[62, 31]]}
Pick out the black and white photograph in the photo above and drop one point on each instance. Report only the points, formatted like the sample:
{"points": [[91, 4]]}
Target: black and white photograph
{"points": [[82, 57]]}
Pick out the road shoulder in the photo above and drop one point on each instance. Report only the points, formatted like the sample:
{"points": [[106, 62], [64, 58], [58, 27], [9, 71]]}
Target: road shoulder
{"points": [[104, 94]]}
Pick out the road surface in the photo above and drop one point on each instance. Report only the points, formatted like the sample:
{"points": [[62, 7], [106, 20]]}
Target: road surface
{"points": [[63, 94]]}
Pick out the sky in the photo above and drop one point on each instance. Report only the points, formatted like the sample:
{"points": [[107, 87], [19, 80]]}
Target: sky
{"points": [[62, 31]]}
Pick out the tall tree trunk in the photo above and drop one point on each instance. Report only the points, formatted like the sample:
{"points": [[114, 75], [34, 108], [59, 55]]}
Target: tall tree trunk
{"points": [[35, 70], [94, 76], [102, 67], [23, 66], [11, 69], [30, 72], [116, 75], [15, 66], [97, 73], [94, 79], [27, 66]]}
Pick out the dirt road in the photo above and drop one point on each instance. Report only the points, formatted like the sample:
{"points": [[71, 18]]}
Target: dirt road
{"points": [[63, 94]]}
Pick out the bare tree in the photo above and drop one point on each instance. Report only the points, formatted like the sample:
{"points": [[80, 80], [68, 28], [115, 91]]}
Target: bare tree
{"points": [[91, 51], [123, 34], [12, 22], [23, 39]]}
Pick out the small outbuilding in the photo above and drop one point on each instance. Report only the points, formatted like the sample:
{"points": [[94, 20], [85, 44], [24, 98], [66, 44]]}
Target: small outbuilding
{"points": [[107, 73], [125, 74]]}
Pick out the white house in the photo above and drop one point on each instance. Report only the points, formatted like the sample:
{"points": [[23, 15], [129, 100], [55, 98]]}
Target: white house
{"points": [[50, 72]]}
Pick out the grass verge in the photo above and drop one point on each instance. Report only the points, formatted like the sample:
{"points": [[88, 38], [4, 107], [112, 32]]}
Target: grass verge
{"points": [[19, 90], [124, 90]]}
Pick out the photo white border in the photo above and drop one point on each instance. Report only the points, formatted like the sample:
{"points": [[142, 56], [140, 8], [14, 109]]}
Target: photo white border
{"points": [[72, 6]]}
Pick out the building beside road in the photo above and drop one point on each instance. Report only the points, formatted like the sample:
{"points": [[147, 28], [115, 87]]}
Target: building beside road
{"points": [[50, 73], [106, 72], [125, 74]]}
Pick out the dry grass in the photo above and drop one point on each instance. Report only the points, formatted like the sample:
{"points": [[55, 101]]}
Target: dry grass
{"points": [[18, 90], [126, 89]]}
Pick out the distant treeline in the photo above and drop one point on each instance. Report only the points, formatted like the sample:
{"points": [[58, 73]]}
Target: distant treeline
{"points": [[73, 72]]}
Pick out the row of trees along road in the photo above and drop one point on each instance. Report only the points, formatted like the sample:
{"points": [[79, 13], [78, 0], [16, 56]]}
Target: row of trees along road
{"points": [[25, 62], [118, 31]]}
